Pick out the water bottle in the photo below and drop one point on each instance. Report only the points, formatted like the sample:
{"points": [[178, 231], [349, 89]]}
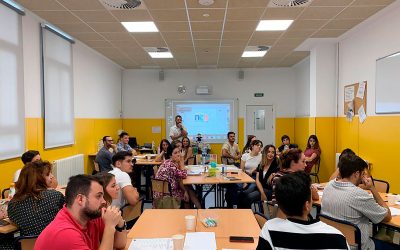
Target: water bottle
{"points": [[12, 191], [203, 157]]}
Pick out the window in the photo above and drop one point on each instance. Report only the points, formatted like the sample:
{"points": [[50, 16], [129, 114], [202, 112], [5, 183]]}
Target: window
{"points": [[58, 89], [12, 110]]}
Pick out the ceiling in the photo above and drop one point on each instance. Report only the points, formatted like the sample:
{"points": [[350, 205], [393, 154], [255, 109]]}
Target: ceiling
{"points": [[200, 41]]}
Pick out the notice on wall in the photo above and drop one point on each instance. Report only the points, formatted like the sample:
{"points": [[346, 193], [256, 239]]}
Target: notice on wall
{"points": [[361, 114], [156, 129], [349, 93], [361, 90]]}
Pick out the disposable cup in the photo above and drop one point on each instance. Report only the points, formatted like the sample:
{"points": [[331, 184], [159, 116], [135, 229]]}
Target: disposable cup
{"points": [[392, 199], [178, 240], [148, 157], [190, 221]]}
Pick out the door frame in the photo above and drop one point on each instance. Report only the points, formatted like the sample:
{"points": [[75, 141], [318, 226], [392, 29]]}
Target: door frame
{"points": [[273, 123]]}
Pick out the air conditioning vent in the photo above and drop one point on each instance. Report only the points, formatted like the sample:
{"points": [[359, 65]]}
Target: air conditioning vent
{"points": [[257, 48], [289, 3], [121, 4], [156, 49]]}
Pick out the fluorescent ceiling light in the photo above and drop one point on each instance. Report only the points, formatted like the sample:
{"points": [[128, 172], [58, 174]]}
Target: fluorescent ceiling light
{"points": [[161, 55], [271, 25], [254, 53], [140, 26]]}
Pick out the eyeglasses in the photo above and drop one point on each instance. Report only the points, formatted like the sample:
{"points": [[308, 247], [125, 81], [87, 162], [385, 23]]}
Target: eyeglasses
{"points": [[110, 140]]}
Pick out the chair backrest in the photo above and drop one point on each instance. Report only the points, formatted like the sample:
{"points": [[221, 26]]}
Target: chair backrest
{"points": [[349, 230], [96, 166], [261, 219], [190, 160], [224, 160], [317, 165], [27, 242], [381, 185], [130, 212], [160, 186], [4, 193]]}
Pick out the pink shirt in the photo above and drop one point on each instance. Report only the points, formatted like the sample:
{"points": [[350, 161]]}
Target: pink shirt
{"points": [[64, 232]]}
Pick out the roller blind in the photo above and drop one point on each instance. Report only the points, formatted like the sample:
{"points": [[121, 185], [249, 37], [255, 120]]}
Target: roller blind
{"points": [[12, 110], [58, 89]]}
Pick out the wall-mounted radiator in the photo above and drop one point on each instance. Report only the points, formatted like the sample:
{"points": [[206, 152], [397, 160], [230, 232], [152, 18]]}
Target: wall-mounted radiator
{"points": [[67, 167]]}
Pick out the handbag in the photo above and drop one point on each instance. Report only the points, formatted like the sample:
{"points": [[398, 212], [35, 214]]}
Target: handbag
{"points": [[166, 201]]}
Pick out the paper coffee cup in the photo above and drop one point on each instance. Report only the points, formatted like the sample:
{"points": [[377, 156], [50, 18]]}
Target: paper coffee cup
{"points": [[190, 222], [148, 157], [391, 199], [178, 240]]}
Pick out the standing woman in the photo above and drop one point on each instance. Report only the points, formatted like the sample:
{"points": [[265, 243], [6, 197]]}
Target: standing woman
{"points": [[312, 153], [173, 171], [186, 149], [34, 206], [263, 190], [163, 150], [246, 148]]}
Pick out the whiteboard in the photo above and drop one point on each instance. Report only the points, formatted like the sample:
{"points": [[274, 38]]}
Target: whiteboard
{"points": [[387, 84]]}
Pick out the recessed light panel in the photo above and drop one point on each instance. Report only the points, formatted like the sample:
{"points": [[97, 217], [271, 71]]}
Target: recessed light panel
{"points": [[273, 25], [254, 53], [140, 26], [160, 54]]}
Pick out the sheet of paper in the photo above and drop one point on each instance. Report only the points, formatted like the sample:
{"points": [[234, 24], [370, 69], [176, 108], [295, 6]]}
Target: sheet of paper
{"points": [[152, 244], [361, 90], [200, 241], [361, 114], [394, 211], [156, 129], [349, 93]]}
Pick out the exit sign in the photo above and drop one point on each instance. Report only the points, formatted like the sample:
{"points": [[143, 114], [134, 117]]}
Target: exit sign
{"points": [[258, 94]]}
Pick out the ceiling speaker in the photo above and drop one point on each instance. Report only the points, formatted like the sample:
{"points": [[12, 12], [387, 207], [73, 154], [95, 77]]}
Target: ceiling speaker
{"points": [[241, 75], [161, 75]]}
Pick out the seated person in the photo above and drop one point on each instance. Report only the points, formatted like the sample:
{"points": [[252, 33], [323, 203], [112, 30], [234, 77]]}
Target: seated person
{"points": [[336, 174], [230, 150], [162, 152], [286, 145], [262, 190], [31, 156], [344, 200], [122, 166], [250, 161], [293, 195], [110, 186], [34, 205], [123, 143], [85, 222], [312, 153], [187, 150], [246, 148], [173, 171], [104, 156], [293, 160]]}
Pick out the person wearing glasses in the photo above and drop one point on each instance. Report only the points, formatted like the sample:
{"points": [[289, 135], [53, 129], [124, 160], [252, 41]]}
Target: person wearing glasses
{"points": [[104, 156], [178, 131]]}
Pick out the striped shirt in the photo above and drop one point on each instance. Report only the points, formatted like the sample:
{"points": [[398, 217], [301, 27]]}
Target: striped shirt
{"points": [[291, 233], [345, 201]]}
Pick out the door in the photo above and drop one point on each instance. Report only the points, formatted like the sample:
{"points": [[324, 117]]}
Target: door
{"points": [[260, 122]]}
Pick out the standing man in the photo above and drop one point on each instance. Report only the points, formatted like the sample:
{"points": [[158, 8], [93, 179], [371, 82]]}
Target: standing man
{"points": [[344, 200], [104, 156], [178, 131], [84, 222], [122, 166], [230, 150]]}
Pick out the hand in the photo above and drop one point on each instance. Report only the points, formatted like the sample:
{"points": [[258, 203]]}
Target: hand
{"points": [[111, 216], [367, 181], [186, 196], [263, 197], [179, 125]]}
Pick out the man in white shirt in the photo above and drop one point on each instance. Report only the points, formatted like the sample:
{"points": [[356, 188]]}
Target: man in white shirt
{"points": [[178, 131], [122, 165], [230, 150]]}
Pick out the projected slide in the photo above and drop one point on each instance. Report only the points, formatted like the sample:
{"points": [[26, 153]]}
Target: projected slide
{"points": [[213, 119]]}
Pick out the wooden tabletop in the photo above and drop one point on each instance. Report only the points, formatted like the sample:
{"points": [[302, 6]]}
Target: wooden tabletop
{"points": [[163, 223], [8, 228], [218, 179], [145, 162]]}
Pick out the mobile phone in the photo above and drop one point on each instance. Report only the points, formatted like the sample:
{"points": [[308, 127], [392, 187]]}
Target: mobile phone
{"points": [[4, 223], [234, 179], [241, 239]]}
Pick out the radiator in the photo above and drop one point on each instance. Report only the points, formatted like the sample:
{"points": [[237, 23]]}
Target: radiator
{"points": [[67, 167]]}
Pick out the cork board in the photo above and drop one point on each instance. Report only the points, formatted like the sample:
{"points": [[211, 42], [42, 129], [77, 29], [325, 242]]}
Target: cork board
{"points": [[356, 101]]}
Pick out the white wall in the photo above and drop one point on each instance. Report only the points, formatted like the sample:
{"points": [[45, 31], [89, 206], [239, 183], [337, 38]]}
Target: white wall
{"points": [[143, 94], [302, 84], [377, 37], [97, 80]]}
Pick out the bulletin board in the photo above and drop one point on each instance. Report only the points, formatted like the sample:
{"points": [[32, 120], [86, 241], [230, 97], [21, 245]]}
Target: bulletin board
{"points": [[354, 97]]}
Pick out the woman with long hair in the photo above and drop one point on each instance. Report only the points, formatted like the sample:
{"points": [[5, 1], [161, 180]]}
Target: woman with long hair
{"points": [[312, 153], [250, 161], [187, 150], [34, 205], [163, 150], [246, 148], [110, 186], [262, 190]]}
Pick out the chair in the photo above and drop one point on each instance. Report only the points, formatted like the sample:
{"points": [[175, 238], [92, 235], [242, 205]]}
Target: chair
{"points": [[191, 160], [4, 193], [381, 185], [270, 209], [316, 170], [261, 219], [25, 242], [130, 213], [348, 229], [96, 168]]}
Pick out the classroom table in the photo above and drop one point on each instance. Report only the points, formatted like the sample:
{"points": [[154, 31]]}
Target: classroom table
{"points": [[217, 183], [163, 223], [147, 164], [8, 228]]}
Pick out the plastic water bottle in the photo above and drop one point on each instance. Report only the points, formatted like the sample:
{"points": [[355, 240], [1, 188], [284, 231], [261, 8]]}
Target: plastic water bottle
{"points": [[12, 191], [203, 157]]}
